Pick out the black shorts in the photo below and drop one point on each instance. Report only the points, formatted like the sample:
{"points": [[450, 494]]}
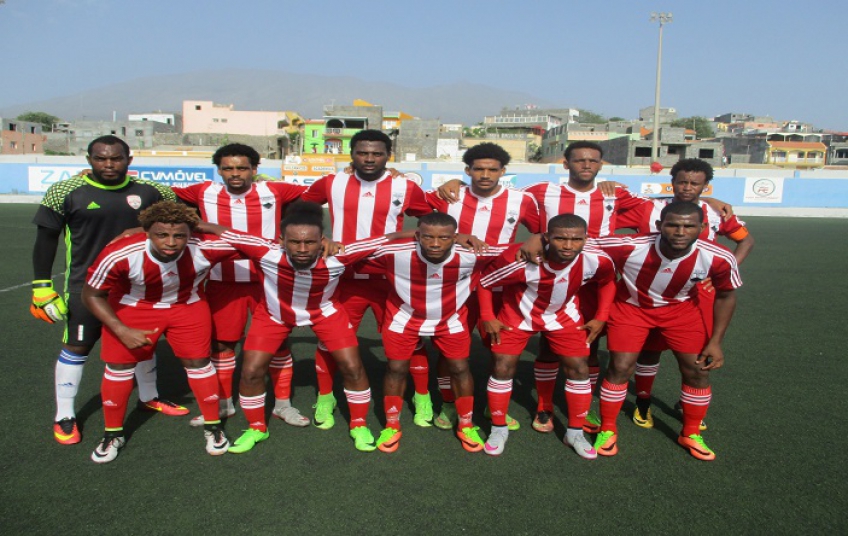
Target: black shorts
{"points": [[81, 328]]}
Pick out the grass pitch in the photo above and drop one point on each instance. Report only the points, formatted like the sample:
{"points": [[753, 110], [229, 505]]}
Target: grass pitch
{"points": [[774, 424]]}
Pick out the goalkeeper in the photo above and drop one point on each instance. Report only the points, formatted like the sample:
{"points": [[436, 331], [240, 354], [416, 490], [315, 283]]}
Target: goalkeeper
{"points": [[91, 210]]}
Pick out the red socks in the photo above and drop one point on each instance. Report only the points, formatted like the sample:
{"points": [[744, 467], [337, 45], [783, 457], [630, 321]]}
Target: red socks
{"points": [[546, 374], [281, 374], [115, 390], [578, 398], [499, 393], [358, 403], [694, 402], [612, 398]]}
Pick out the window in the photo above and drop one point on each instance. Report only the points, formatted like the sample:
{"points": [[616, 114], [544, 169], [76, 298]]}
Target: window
{"points": [[139, 133], [124, 131], [113, 132], [197, 107], [642, 152], [32, 130], [13, 127], [33, 148], [214, 119], [223, 120], [778, 156], [14, 144], [706, 153]]}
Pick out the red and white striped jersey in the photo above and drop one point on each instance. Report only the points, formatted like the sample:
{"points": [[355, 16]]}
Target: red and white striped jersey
{"points": [[299, 297], [649, 279], [427, 298], [494, 219], [257, 212], [362, 209], [644, 217], [136, 278], [598, 210], [543, 297]]}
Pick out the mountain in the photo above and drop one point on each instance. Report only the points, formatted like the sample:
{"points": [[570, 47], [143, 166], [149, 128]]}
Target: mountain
{"points": [[461, 102]]}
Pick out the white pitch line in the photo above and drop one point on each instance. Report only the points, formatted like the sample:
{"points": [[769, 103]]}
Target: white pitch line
{"points": [[22, 285]]}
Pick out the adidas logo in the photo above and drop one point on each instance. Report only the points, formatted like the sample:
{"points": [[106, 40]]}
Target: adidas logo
{"points": [[256, 424], [484, 209], [561, 280], [92, 206], [435, 276], [393, 409], [239, 202], [211, 398], [367, 194], [497, 413], [171, 274], [110, 403], [582, 202], [667, 271]]}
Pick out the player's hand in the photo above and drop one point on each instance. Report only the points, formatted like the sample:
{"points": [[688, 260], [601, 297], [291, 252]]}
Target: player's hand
{"points": [[348, 169], [471, 242], [394, 173], [711, 357], [608, 187], [135, 338], [127, 232], [449, 191], [707, 285], [47, 305], [493, 329], [593, 329], [725, 209], [531, 251], [331, 248]]}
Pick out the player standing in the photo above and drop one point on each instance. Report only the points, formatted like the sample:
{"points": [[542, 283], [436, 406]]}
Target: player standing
{"points": [[233, 289], [91, 210], [430, 280], [148, 285], [541, 298], [689, 178], [300, 290], [492, 214], [659, 273], [370, 202]]}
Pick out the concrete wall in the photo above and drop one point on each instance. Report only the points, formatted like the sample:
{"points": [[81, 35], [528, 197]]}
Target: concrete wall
{"points": [[818, 191]]}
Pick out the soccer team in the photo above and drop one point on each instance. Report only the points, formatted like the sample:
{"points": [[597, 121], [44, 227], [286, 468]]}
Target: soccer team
{"points": [[199, 268]]}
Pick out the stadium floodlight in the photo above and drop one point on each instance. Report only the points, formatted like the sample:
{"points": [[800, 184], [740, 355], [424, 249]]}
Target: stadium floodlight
{"points": [[662, 18]]}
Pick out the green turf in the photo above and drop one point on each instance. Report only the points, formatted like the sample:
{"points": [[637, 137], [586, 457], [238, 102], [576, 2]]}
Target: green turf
{"points": [[775, 424]]}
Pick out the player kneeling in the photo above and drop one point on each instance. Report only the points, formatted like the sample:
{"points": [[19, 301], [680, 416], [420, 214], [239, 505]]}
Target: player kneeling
{"points": [[148, 285], [543, 298]]}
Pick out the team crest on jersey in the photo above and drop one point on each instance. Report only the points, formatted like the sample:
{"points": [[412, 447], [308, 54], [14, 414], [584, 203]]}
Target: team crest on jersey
{"points": [[588, 275], [397, 199], [134, 201], [609, 207], [464, 275], [267, 201], [698, 275], [512, 216]]}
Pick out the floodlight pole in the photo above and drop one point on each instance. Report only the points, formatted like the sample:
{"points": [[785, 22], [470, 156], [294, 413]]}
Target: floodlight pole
{"points": [[662, 18]]}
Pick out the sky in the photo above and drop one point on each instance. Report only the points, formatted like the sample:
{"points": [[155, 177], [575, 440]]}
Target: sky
{"points": [[780, 58]]}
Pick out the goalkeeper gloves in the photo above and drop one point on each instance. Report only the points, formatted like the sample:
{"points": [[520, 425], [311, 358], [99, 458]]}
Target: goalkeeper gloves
{"points": [[46, 304]]}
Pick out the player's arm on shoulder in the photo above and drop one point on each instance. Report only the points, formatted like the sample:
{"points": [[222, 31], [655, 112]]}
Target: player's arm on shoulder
{"points": [[471, 242], [608, 188], [531, 250], [449, 191], [97, 302], [725, 209]]}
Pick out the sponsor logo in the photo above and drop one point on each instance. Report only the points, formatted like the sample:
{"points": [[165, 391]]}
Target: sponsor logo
{"points": [[484, 208], [763, 188], [134, 201], [239, 202], [667, 271], [367, 194], [582, 202], [561, 280]]}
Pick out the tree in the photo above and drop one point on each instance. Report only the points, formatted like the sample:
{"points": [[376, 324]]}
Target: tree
{"points": [[44, 118], [616, 119], [701, 125], [588, 116], [534, 152]]}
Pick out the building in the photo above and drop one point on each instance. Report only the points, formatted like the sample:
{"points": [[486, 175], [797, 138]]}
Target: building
{"points": [[73, 138], [173, 119], [418, 139], [674, 144], [555, 140], [780, 149], [666, 116], [20, 137], [207, 117]]}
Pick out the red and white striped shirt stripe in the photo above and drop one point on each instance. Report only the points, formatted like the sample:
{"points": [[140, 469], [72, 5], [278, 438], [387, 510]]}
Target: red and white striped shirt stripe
{"points": [[136, 278], [494, 219], [598, 210], [644, 219], [428, 298], [542, 297], [649, 279], [257, 212], [299, 297]]}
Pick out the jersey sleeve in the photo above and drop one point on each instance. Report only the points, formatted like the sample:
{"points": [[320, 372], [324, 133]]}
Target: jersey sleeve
{"points": [[733, 228], [531, 217], [633, 218], [317, 191], [252, 247], [286, 192], [436, 203], [724, 273], [189, 194], [51, 211], [109, 271], [504, 270], [417, 204], [361, 249], [624, 200], [216, 249]]}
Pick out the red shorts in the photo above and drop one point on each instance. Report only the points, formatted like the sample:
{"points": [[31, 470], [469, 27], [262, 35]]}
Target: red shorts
{"points": [[567, 342], [705, 300], [680, 326], [357, 295], [399, 346], [230, 304], [188, 328], [266, 335], [587, 300]]}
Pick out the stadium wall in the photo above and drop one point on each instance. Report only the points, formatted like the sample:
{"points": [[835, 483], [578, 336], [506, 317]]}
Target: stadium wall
{"points": [[754, 191]]}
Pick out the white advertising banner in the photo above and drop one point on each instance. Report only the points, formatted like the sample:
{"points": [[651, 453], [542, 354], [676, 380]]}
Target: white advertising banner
{"points": [[763, 190], [41, 177]]}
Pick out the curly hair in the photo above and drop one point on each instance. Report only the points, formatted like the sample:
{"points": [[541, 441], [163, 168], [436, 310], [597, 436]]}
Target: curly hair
{"points": [[236, 149], [303, 213], [486, 150], [168, 212], [692, 164]]}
